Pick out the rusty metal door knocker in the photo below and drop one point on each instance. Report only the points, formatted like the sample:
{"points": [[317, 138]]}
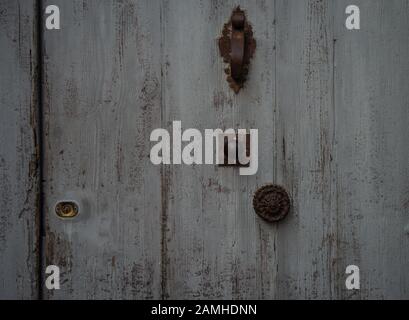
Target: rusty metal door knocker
{"points": [[237, 47]]}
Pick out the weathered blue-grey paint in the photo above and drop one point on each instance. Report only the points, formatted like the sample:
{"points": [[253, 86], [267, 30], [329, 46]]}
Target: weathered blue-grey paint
{"points": [[19, 150], [332, 111]]}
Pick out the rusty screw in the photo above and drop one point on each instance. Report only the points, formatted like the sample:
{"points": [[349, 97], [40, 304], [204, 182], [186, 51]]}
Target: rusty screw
{"points": [[66, 209], [271, 202]]}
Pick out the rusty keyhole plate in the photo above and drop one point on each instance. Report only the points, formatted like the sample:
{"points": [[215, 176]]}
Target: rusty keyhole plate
{"points": [[66, 209], [271, 202], [237, 46], [225, 142]]}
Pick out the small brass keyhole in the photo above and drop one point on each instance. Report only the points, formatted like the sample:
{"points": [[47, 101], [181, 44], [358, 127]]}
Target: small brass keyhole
{"points": [[66, 209]]}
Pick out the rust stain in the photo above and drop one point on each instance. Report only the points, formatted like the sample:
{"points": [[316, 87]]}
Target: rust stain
{"points": [[213, 184], [406, 203], [220, 99], [165, 186], [58, 252]]}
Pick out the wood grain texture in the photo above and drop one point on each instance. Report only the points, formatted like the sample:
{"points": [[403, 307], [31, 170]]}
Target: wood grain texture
{"points": [[371, 171], [332, 113], [216, 247], [19, 188], [304, 122], [102, 99]]}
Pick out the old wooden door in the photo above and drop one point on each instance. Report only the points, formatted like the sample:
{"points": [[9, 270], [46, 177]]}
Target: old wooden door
{"points": [[331, 109]]}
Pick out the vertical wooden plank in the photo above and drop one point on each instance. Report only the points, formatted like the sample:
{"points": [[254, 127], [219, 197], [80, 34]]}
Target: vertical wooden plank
{"points": [[372, 169], [19, 215], [305, 240], [254, 240], [216, 247], [102, 100]]}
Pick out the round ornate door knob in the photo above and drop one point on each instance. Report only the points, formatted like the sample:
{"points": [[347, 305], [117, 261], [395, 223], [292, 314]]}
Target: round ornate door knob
{"points": [[271, 202]]}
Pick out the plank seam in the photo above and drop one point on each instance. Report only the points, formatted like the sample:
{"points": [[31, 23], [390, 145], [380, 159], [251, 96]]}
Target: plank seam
{"points": [[40, 204]]}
